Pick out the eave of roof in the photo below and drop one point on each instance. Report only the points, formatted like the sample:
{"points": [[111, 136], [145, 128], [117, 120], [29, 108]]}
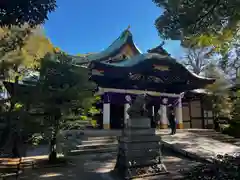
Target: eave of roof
{"points": [[125, 38]]}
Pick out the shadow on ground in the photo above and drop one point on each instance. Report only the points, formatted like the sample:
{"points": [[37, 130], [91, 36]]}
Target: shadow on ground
{"points": [[79, 167], [190, 143], [216, 136], [98, 166]]}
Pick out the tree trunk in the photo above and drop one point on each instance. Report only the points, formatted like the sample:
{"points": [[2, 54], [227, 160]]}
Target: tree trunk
{"points": [[53, 150], [215, 121]]}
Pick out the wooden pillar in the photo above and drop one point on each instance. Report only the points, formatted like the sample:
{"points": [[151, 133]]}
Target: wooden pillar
{"points": [[164, 117], [179, 117], [190, 112], [106, 112], [126, 107], [126, 116], [202, 112]]}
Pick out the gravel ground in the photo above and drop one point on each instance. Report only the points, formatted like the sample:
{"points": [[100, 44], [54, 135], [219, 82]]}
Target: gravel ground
{"points": [[98, 166]]}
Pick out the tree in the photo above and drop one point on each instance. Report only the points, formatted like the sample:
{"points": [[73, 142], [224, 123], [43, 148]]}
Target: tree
{"points": [[62, 87], [22, 47], [184, 18], [202, 50], [11, 42], [230, 61], [196, 59], [20, 51], [220, 97], [233, 129], [25, 11]]}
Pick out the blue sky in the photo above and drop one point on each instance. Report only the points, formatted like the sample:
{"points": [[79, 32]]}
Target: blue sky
{"points": [[82, 26]]}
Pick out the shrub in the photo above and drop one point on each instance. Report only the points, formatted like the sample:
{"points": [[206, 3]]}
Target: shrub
{"points": [[226, 167]]}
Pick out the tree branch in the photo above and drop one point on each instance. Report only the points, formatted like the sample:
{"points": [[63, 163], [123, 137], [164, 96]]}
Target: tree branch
{"points": [[206, 14]]}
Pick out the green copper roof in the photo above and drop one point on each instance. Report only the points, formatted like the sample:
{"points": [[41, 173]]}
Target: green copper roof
{"points": [[124, 38], [150, 71]]}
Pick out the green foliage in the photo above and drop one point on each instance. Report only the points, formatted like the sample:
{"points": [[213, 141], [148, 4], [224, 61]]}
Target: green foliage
{"points": [[74, 122], [225, 167], [233, 129], [65, 87], [36, 138], [236, 110], [21, 47], [18, 106], [64, 83], [13, 38], [35, 48], [25, 11], [93, 110], [184, 18], [203, 49], [220, 98], [230, 62], [218, 42]]}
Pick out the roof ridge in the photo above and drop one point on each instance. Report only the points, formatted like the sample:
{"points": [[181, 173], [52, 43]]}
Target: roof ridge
{"points": [[123, 34]]}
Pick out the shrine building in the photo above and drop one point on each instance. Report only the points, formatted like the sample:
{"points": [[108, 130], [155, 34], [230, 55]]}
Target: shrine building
{"points": [[122, 71]]}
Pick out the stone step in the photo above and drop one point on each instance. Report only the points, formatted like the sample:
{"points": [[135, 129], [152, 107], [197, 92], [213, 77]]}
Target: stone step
{"points": [[96, 138], [99, 141], [110, 149], [92, 145], [96, 146], [100, 149], [93, 148], [142, 139]]}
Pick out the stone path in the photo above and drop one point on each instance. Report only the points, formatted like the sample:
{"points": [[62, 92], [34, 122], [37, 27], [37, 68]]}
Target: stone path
{"points": [[203, 144], [196, 143], [98, 166]]}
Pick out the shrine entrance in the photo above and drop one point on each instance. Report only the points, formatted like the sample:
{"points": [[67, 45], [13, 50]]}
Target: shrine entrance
{"points": [[116, 116], [117, 101]]}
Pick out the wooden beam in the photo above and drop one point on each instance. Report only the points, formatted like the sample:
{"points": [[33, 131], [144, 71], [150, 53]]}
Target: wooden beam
{"points": [[131, 91]]}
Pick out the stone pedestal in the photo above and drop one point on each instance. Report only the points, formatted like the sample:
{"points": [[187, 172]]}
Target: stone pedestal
{"points": [[139, 151]]}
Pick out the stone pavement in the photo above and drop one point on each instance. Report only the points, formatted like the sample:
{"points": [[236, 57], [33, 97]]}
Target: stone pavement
{"points": [[195, 143], [99, 165], [201, 144]]}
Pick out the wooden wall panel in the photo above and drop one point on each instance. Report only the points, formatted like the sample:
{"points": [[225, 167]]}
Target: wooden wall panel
{"points": [[197, 123], [185, 113], [186, 125], [196, 109]]}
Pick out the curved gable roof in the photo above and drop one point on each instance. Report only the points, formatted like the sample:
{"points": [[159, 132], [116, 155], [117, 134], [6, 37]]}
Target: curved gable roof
{"points": [[148, 71], [124, 39]]}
